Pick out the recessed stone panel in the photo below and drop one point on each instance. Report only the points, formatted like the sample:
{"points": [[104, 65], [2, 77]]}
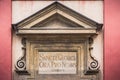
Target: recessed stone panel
{"points": [[57, 63]]}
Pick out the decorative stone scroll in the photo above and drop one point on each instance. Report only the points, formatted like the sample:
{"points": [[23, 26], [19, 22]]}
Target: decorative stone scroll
{"points": [[93, 65], [21, 63]]}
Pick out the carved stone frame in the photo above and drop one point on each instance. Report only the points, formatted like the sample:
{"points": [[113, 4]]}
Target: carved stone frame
{"points": [[90, 65]]}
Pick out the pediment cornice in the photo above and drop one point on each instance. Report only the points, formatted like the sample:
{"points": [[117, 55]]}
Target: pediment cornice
{"points": [[68, 15]]}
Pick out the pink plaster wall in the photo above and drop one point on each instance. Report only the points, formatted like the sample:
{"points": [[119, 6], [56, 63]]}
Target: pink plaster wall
{"points": [[112, 40], [5, 39]]}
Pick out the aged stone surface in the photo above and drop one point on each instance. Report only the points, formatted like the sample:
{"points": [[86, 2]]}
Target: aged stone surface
{"points": [[57, 30]]}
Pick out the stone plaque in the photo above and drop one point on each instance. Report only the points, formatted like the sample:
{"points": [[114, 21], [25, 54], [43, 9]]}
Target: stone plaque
{"points": [[57, 63]]}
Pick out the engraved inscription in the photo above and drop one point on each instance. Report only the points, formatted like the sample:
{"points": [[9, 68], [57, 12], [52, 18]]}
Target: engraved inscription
{"points": [[57, 63]]}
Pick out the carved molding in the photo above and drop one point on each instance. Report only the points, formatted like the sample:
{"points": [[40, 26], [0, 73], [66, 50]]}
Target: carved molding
{"points": [[60, 12]]}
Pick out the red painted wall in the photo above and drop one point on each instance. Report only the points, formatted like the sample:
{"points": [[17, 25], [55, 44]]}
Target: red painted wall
{"points": [[112, 40], [5, 39]]}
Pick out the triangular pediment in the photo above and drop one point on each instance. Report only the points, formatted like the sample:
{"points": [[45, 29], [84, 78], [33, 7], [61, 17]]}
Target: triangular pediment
{"points": [[56, 17], [57, 22]]}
